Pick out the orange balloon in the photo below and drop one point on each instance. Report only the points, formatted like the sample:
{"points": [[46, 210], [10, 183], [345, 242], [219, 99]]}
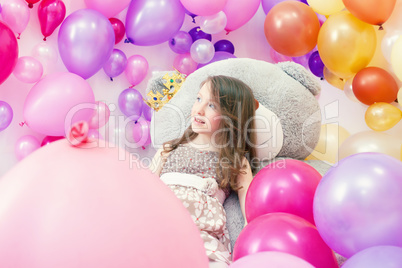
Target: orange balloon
{"points": [[371, 11], [291, 28], [382, 116], [373, 84]]}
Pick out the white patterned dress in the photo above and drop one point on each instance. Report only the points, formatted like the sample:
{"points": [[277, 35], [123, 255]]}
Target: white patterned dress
{"points": [[190, 173]]}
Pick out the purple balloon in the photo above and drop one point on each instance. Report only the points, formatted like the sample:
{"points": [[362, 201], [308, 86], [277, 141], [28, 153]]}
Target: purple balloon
{"points": [[141, 132], [151, 22], [379, 256], [86, 40], [190, 14], [218, 56], [316, 65], [116, 64], [224, 45], [130, 103], [181, 42], [358, 203], [147, 112], [49, 139], [267, 5], [303, 60], [6, 115], [196, 33]]}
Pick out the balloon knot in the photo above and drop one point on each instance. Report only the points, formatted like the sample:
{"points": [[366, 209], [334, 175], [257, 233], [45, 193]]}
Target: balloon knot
{"points": [[321, 78], [44, 38], [111, 79], [19, 36], [143, 147], [193, 19], [126, 41], [22, 124], [380, 28], [78, 133], [227, 32], [30, 5], [132, 86]]}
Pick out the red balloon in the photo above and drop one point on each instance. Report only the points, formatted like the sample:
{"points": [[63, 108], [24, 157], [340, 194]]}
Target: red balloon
{"points": [[283, 186], [118, 28], [286, 233], [8, 51], [291, 28], [31, 2], [373, 84], [51, 14]]}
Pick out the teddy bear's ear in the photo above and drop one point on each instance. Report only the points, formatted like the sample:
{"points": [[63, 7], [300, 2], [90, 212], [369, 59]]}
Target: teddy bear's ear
{"points": [[299, 73]]}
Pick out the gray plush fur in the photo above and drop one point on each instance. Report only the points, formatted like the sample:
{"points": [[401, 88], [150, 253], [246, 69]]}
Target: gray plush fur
{"points": [[286, 89]]}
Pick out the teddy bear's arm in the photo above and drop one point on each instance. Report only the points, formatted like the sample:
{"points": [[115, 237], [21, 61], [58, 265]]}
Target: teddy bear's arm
{"points": [[244, 180]]}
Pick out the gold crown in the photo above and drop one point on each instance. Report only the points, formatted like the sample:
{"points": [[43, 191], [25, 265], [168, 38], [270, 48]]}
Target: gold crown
{"points": [[158, 97]]}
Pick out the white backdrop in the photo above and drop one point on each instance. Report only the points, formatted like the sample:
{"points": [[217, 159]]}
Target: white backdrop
{"points": [[249, 41]]}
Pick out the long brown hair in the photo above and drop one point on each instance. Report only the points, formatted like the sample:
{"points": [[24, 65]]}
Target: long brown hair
{"points": [[237, 107]]}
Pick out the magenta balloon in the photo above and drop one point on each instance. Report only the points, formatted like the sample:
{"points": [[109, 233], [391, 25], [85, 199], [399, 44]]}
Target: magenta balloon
{"points": [[283, 186], [51, 14], [141, 134], [270, 259], [56, 102], [286, 233], [181, 42], [130, 103], [151, 22], [218, 56], [358, 203], [6, 115], [86, 41], [25, 146], [136, 69], [116, 64], [8, 51], [184, 64], [374, 257], [49, 139], [118, 28], [66, 207], [239, 13]]}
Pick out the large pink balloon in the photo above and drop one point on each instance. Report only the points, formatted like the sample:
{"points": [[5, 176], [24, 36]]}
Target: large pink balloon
{"points": [[92, 207], [8, 51], [285, 233], [86, 41], [358, 203], [283, 186], [15, 13], [272, 259], [151, 22], [239, 13], [204, 7], [56, 102], [109, 8]]}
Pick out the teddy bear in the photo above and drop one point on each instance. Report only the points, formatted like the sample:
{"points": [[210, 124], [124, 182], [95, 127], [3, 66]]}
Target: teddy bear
{"points": [[286, 93]]}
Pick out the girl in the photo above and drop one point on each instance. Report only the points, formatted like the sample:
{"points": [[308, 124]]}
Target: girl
{"points": [[210, 159]]}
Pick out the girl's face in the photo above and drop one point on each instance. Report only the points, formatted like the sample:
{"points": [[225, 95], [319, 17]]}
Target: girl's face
{"points": [[205, 114]]}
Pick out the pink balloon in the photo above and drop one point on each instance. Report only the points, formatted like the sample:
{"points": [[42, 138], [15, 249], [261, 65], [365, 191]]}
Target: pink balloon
{"points": [[239, 13], [8, 51], [15, 14], [100, 116], [283, 186], [47, 54], [272, 259], [56, 102], [185, 64], [141, 134], [28, 70], [25, 146], [205, 7], [109, 8], [49, 139], [136, 69], [285, 233], [51, 14], [92, 207]]}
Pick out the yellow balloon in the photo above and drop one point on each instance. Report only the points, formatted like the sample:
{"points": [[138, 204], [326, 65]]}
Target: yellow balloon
{"points": [[326, 7], [346, 44], [396, 58], [331, 137], [400, 96], [382, 116], [371, 141], [333, 79]]}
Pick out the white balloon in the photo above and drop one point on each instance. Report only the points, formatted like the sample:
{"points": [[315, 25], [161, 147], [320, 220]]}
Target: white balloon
{"points": [[213, 24], [388, 42], [202, 51]]}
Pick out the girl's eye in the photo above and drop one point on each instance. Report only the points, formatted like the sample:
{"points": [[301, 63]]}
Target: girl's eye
{"points": [[198, 99], [212, 105]]}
